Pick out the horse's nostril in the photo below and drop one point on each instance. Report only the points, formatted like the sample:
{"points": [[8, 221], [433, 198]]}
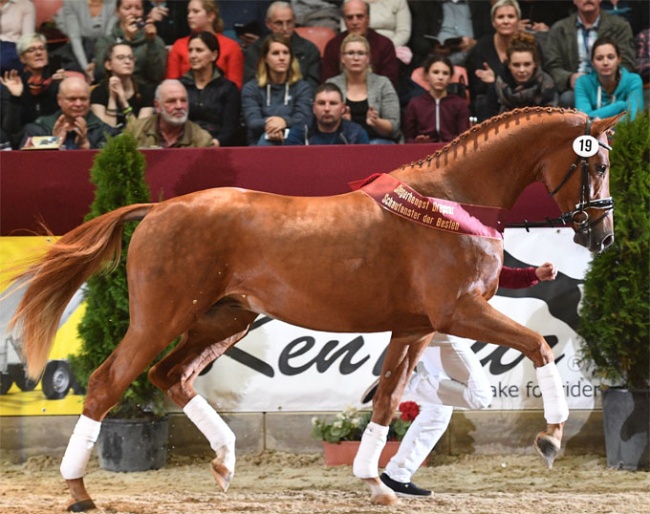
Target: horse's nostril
{"points": [[608, 240]]}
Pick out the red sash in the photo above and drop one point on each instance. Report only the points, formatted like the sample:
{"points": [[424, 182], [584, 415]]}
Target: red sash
{"points": [[459, 218]]}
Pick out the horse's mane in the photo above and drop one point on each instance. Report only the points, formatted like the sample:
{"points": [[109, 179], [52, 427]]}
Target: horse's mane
{"points": [[494, 122]]}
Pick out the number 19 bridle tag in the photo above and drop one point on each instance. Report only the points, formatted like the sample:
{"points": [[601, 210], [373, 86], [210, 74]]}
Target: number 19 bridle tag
{"points": [[585, 146]]}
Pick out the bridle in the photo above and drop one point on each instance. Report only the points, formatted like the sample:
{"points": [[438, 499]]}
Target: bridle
{"points": [[579, 217]]}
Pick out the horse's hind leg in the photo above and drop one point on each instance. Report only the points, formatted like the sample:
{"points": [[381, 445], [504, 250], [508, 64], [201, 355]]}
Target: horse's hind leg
{"points": [[215, 332], [402, 355], [105, 387]]}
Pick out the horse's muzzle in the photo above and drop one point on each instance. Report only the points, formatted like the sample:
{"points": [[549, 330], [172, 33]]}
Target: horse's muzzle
{"points": [[592, 241]]}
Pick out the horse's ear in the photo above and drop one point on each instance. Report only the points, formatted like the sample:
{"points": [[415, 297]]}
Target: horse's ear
{"points": [[600, 126]]}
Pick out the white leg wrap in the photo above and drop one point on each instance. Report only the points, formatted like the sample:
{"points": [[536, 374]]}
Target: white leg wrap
{"points": [[366, 462], [215, 429], [80, 446], [556, 409]]}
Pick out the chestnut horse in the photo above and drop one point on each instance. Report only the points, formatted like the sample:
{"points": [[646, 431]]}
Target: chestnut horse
{"points": [[206, 264]]}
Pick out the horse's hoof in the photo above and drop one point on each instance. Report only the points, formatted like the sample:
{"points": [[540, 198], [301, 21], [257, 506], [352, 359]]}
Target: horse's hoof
{"points": [[222, 475], [380, 493], [385, 499], [548, 448], [82, 506]]}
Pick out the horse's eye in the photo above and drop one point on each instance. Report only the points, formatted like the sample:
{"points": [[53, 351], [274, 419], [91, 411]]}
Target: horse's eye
{"points": [[601, 169]]}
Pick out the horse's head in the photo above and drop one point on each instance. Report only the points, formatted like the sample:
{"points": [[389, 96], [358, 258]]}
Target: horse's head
{"points": [[583, 192]]}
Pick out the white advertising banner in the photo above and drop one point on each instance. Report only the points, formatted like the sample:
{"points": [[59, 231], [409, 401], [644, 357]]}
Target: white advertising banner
{"points": [[280, 367]]}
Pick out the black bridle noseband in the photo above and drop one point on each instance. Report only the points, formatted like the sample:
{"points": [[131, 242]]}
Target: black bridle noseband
{"points": [[579, 217]]}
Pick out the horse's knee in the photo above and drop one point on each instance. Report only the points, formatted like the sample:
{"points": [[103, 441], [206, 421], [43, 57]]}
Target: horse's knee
{"points": [[539, 352]]}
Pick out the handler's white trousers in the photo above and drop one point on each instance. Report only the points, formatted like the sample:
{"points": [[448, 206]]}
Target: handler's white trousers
{"points": [[448, 375]]}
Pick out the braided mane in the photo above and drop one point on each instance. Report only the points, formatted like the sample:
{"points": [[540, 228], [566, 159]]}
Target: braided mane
{"points": [[486, 125]]}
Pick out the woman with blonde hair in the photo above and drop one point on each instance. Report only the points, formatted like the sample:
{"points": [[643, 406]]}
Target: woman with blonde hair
{"points": [[371, 99], [203, 15], [278, 97], [486, 59]]}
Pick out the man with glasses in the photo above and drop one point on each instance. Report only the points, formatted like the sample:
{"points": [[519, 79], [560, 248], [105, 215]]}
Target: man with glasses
{"points": [[383, 60], [280, 19], [75, 126], [31, 93]]}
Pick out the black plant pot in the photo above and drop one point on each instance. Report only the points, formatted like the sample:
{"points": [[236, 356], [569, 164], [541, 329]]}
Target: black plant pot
{"points": [[626, 418], [133, 444]]}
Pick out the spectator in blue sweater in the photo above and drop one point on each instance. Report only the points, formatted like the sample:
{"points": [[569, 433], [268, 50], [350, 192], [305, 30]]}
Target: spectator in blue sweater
{"points": [[609, 89], [277, 98], [328, 126]]}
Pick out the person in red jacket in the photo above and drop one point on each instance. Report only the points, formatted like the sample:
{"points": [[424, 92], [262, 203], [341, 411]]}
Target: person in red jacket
{"points": [[436, 116], [203, 15], [449, 374]]}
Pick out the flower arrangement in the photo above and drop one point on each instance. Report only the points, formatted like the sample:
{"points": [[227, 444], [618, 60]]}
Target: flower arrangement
{"points": [[349, 424]]}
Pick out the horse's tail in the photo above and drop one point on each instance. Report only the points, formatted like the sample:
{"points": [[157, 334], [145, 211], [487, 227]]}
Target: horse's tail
{"points": [[52, 281]]}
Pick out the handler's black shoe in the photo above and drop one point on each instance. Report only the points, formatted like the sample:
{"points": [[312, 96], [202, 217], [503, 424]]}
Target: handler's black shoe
{"points": [[409, 490]]}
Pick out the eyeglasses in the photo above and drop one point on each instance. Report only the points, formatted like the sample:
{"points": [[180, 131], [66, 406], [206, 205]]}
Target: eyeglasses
{"points": [[355, 53], [125, 57], [35, 49]]}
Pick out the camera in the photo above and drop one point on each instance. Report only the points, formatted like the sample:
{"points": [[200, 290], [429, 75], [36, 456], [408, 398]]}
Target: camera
{"points": [[140, 23]]}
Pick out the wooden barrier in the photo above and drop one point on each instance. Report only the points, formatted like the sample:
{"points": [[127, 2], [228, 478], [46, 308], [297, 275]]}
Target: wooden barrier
{"points": [[52, 187]]}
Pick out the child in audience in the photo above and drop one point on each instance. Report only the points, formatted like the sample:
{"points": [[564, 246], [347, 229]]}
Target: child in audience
{"points": [[436, 116]]}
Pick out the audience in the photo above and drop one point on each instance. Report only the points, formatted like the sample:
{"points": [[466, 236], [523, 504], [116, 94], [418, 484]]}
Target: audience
{"points": [[131, 28], [436, 116], [74, 124], [609, 89], [486, 59], [383, 59], [18, 18], [280, 19], [360, 80], [169, 127], [84, 23], [214, 100], [569, 49], [203, 15], [119, 97], [328, 126], [458, 23], [392, 19], [318, 13], [31, 93], [278, 98], [371, 99], [522, 83]]}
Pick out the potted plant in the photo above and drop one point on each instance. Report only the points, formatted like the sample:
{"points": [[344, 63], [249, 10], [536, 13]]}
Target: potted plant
{"points": [[341, 435], [134, 433], [615, 313]]}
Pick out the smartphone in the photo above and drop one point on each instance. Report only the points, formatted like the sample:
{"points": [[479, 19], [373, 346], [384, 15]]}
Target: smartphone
{"points": [[286, 134]]}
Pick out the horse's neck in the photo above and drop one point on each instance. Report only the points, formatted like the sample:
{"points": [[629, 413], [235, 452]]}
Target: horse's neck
{"points": [[492, 165]]}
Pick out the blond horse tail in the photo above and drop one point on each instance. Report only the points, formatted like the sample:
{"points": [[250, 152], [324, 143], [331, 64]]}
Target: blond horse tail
{"points": [[52, 281]]}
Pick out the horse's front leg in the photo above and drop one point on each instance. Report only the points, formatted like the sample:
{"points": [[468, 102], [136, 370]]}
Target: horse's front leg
{"points": [[402, 355], [475, 318]]}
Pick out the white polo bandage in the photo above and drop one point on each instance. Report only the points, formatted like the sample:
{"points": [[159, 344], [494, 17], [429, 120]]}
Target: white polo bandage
{"points": [[366, 462], [80, 446], [556, 409], [215, 429]]}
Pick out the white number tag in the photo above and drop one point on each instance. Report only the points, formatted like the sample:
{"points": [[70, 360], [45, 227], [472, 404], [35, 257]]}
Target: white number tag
{"points": [[585, 146]]}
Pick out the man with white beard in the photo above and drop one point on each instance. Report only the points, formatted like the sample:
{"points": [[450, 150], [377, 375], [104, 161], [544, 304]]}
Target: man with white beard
{"points": [[169, 127]]}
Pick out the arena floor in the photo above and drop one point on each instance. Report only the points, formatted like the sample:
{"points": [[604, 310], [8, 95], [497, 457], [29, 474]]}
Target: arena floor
{"points": [[298, 484]]}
